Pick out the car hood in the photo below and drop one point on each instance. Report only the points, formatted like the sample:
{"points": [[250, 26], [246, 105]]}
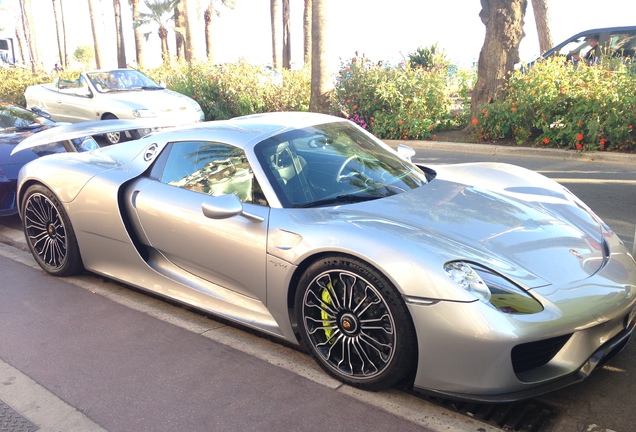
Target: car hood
{"points": [[502, 221], [165, 101]]}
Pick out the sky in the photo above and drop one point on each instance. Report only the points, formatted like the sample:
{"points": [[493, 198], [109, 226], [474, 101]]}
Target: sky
{"points": [[379, 29]]}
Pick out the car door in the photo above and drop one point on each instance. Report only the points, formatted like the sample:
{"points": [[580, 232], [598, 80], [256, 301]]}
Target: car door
{"points": [[229, 252], [75, 101]]}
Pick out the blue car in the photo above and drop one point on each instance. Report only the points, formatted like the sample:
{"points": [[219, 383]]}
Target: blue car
{"points": [[16, 124]]}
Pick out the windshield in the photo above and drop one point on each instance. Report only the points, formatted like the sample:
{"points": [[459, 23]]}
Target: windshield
{"points": [[121, 80], [15, 118], [335, 163]]}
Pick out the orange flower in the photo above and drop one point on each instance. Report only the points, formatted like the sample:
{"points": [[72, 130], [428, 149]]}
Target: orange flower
{"points": [[355, 107], [431, 127], [579, 146], [631, 127], [546, 140], [400, 122], [475, 121], [513, 109], [579, 137]]}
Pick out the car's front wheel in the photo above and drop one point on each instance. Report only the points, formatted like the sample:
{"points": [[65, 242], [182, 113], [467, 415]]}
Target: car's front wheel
{"points": [[49, 232], [355, 323], [114, 137]]}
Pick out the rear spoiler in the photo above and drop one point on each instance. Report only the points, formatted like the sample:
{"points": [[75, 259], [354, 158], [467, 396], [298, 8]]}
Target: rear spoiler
{"points": [[79, 130]]}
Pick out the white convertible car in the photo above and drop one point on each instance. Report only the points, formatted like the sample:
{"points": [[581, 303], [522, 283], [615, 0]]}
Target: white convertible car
{"points": [[112, 94]]}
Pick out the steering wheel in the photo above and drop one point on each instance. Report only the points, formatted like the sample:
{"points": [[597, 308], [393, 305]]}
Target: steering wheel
{"points": [[340, 176]]}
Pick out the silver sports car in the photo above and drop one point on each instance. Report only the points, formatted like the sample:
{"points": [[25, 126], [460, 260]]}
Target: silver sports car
{"points": [[477, 281]]}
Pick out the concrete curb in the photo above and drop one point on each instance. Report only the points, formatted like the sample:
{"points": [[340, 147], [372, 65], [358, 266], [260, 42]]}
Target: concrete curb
{"points": [[493, 150]]}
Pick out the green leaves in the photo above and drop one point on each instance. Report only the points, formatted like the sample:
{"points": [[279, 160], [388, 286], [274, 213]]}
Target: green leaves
{"points": [[555, 104]]}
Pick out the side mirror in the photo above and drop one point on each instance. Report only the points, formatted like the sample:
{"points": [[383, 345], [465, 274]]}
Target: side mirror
{"points": [[226, 206], [405, 152]]}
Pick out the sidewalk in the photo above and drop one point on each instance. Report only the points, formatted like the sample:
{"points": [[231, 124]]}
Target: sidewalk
{"points": [[81, 354], [495, 149]]}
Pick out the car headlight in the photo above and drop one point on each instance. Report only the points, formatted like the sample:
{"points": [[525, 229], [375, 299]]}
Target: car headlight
{"points": [[144, 113], [492, 288]]}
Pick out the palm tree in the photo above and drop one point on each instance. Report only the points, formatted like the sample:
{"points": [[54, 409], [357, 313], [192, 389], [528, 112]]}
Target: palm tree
{"points": [[286, 36], [139, 45], [193, 32], [29, 34], [208, 16], [161, 13], [179, 30], [321, 80], [121, 48], [94, 9], [274, 7], [307, 35], [61, 32]]}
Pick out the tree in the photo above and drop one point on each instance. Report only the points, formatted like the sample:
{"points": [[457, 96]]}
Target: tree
{"points": [[307, 34], [29, 35], [208, 16], [541, 17], [179, 31], [119, 31], [274, 9], [94, 9], [321, 76], [161, 13], [286, 36], [139, 45], [504, 30], [61, 32], [194, 45]]}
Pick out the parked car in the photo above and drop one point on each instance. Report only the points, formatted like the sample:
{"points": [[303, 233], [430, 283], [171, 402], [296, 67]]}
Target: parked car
{"points": [[478, 281], [16, 124], [613, 41], [112, 94]]}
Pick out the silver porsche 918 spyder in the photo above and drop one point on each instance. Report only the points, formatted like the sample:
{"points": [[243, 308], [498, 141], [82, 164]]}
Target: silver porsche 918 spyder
{"points": [[479, 281]]}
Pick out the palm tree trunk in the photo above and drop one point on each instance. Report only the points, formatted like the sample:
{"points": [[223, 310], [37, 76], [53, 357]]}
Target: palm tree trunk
{"points": [[59, 27], [321, 79], [286, 36], [307, 35], [207, 18], [139, 46], [31, 43], [541, 18], [119, 31], [94, 9], [274, 7]]}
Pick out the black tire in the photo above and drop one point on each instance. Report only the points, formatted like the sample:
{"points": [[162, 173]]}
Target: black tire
{"points": [[114, 137], [355, 324], [49, 233]]}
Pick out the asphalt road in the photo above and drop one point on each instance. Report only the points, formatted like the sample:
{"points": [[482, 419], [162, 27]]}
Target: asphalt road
{"points": [[84, 354]]}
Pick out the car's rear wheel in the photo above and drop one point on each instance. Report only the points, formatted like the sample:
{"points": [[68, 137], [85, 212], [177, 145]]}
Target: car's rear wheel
{"points": [[355, 323], [49, 233]]}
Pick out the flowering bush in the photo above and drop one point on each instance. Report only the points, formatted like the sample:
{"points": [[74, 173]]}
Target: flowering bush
{"points": [[401, 102], [236, 89], [555, 104]]}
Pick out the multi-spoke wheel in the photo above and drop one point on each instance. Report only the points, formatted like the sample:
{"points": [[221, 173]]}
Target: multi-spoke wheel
{"points": [[49, 233], [354, 322], [114, 137]]}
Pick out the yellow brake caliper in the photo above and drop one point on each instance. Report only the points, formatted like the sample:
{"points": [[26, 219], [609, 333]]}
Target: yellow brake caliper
{"points": [[326, 297]]}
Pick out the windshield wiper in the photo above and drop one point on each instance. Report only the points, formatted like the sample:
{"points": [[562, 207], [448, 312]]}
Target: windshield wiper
{"points": [[340, 199], [152, 88]]}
